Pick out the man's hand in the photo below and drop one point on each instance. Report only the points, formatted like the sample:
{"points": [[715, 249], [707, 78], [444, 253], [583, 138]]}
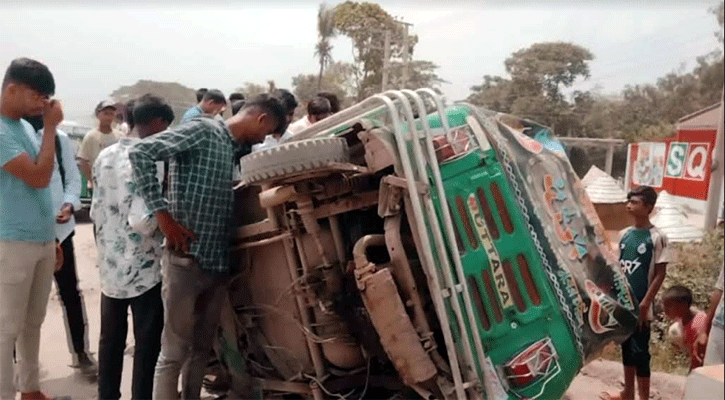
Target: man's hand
{"points": [[177, 236], [643, 314], [698, 348], [52, 114], [66, 211], [58, 257]]}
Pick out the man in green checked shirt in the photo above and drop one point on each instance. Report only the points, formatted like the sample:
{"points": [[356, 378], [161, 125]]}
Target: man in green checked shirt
{"points": [[196, 221]]}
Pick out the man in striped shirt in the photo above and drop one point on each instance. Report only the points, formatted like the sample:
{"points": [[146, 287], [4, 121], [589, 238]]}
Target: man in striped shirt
{"points": [[196, 222]]}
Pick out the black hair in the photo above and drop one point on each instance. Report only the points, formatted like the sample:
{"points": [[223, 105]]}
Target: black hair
{"points": [[288, 99], [235, 96], [332, 98], [679, 294], [36, 121], [215, 95], [128, 115], [271, 105], [200, 93], [318, 106], [647, 193], [237, 105], [31, 73], [149, 107]]}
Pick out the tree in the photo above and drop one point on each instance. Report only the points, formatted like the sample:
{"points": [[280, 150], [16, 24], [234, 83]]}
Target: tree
{"points": [[546, 67], [338, 78], [250, 89], [537, 75], [325, 32], [365, 24]]}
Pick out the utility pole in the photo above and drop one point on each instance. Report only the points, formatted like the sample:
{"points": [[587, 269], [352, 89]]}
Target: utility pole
{"points": [[714, 201], [386, 60], [406, 53]]}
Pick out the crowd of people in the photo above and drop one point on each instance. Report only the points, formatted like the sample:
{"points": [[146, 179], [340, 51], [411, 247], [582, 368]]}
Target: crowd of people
{"points": [[161, 211], [161, 208]]}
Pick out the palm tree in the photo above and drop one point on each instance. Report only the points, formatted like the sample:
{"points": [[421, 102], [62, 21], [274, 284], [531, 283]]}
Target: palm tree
{"points": [[325, 32]]}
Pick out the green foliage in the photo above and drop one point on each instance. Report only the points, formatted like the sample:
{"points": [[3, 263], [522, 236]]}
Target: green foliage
{"points": [[250, 89], [544, 68], [338, 78], [365, 24], [537, 76], [325, 32]]}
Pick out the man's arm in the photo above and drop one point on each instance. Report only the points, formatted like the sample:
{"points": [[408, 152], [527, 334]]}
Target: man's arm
{"points": [[72, 188], [162, 147], [37, 173], [84, 166], [84, 158], [652, 289]]}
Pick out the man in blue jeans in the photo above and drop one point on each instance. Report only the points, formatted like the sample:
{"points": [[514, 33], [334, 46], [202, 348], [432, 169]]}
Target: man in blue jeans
{"points": [[29, 252]]}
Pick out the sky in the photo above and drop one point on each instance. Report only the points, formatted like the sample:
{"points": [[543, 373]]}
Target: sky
{"points": [[93, 48]]}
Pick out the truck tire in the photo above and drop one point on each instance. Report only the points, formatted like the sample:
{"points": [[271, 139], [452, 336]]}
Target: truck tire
{"points": [[292, 158]]}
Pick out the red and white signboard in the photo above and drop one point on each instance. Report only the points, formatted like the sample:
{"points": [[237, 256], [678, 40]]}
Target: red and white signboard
{"points": [[680, 164]]}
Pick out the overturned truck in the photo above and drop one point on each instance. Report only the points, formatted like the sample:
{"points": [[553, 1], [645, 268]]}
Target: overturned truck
{"points": [[404, 248]]}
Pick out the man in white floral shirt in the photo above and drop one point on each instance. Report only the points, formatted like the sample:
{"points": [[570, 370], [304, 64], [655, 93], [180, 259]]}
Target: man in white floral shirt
{"points": [[129, 256]]}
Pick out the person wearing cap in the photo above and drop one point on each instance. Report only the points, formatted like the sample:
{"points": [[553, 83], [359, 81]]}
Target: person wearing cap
{"points": [[29, 251], [98, 139]]}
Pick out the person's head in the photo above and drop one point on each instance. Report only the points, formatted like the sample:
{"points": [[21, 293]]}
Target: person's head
{"points": [[318, 109], [105, 112], [288, 100], [235, 96], [677, 301], [641, 201], [261, 116], [237, 105], [128, 117], [151, 114], [213, 102], [26, 88], [200, 94], [332, 98]]}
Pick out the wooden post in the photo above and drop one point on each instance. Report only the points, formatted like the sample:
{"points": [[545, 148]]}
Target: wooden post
{"points": [[714, 202], [610, 159]]}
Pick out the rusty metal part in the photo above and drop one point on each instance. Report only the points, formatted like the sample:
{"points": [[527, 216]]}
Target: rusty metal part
{"points": [[262, 242], [348, 203], [379, 152], [305, 209], [255, 229], [388, 315], [284, 386], [406, 282], [316, 391], [276, 196], [337, 239]]}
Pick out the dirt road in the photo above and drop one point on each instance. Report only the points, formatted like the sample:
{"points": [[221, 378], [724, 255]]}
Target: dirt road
{"points": [[58, 379]]}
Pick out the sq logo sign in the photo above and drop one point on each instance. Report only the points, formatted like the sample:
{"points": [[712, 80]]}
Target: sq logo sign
{"points": [[697, 164], [676, 159]]}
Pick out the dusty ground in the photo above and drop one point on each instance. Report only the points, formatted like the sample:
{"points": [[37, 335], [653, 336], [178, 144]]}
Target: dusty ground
{"points": [[58, 379]]}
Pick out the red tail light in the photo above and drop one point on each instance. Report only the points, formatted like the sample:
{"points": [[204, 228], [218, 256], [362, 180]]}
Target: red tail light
{"points": [[445, 150], [534, 362]]}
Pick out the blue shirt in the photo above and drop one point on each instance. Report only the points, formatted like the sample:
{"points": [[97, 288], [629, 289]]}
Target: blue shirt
{"points": [[26, 213], [191, 113]]}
